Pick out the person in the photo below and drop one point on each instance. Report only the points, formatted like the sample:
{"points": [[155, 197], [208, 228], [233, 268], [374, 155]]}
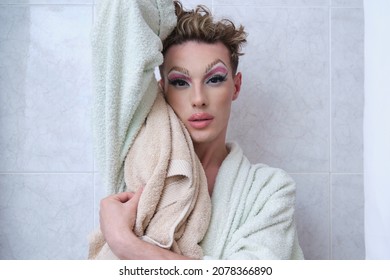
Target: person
{"points": [[252, 204]]}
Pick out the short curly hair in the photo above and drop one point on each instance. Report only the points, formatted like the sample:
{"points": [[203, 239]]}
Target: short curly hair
{"points": [[199, 25]]}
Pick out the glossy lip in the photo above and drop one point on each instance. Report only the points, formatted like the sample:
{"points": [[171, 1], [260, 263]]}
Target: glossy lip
{"points": [[200, 120]]}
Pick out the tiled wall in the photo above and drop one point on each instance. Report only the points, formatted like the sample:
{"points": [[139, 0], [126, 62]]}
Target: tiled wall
{"points": [[300, 109]]}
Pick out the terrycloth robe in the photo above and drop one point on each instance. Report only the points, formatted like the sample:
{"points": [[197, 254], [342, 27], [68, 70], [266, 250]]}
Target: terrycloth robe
{"points": [[252, 212]]}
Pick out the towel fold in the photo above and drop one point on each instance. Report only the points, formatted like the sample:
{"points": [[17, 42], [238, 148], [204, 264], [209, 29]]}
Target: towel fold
{"points": [[175, 208]]}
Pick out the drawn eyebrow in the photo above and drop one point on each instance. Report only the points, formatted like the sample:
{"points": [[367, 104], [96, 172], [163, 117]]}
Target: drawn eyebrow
{"points": [[179, 69], [211, 65]]}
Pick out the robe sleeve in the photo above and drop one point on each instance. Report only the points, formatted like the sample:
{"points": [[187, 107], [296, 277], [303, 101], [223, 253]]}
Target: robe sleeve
{"points": [[126, 48], [267, 226]]}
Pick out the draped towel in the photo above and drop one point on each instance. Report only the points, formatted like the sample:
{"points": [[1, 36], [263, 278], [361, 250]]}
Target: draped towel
{"points": [[139, 140], [174, 209]]}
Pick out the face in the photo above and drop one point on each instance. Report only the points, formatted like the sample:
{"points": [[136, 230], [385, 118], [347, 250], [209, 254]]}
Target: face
{"points": [[199, 84]]}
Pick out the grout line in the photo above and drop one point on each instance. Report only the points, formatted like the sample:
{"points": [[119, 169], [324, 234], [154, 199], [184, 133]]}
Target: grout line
{"points": [[325, 173], [308, 173], [94, 201], [46, 4], [96, 171], [93, 6], [284, 7], [351, 7], [350, 173], [212, 4], [330, 137], [93, 13], [270, 6], [93, 154], [46, 173]]}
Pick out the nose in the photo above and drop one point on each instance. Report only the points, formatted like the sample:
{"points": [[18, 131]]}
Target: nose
{"points": [[198, 96]]}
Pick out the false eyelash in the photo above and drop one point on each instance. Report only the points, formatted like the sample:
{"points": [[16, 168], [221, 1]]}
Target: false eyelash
{"points": [[220, 78], [175, 82]]}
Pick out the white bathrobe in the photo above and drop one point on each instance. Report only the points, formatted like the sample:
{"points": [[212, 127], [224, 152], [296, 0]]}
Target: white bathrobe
{"points": [[252, 212], [252, 205]]}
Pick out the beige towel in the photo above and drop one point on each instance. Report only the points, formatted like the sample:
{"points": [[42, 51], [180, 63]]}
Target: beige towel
{"points": [[174, 209]]}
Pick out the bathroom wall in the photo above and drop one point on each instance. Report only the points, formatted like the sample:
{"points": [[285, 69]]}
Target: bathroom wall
{"points": [[300, 109]]}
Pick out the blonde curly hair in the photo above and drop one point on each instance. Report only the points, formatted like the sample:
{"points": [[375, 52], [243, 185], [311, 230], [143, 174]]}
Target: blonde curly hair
{"points": [[199, 25]]}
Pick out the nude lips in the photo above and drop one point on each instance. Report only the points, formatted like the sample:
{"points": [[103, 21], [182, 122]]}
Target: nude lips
{"points": [[200, 120]]}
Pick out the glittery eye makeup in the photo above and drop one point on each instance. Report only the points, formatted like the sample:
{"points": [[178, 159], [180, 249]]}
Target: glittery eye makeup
{"points": [[178, 78], [216, 79], [217, 74]]}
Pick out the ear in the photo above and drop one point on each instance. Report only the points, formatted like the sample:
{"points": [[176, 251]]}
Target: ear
{"points": [[237, 85], [161, 85]]}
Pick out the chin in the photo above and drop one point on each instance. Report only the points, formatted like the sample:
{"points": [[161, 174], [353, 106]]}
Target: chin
{"points": [[197, 139], [202, 138], [207, 136]]}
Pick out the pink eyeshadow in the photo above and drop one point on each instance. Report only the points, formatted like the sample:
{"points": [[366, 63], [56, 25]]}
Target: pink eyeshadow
{"points": [[219, 69], [177, 77]]}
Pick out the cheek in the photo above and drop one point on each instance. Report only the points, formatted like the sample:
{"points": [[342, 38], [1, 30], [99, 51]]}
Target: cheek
{"points": [[224, 97], [176, 101], [225, 101]]}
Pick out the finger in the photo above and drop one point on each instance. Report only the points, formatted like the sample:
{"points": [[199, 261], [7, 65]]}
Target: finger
{"points": [[135, 198], [137, 194], [133, 205], [124, 196]]}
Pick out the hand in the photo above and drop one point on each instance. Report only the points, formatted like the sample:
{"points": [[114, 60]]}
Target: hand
{"points": [[117, 218]]}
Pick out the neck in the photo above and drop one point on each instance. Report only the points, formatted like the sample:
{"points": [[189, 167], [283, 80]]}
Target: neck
{"points": [[211, 155]]}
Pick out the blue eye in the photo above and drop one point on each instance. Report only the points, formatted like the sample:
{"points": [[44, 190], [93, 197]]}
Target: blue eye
{"points": [[217, 79], [178, 83]]}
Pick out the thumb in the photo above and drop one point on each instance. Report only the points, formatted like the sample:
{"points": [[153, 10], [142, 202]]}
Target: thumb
{"points": [[136, 197], [133, 205], [124, 196]]}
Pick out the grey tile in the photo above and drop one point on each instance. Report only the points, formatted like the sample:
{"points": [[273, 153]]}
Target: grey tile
{"points": [[282, 114], [45, 89], [45, 216], [347, 3], [190, 4], [100, 192], [305, 3], [347, 90], [46, 2], [348, 217], [312, 215]]}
